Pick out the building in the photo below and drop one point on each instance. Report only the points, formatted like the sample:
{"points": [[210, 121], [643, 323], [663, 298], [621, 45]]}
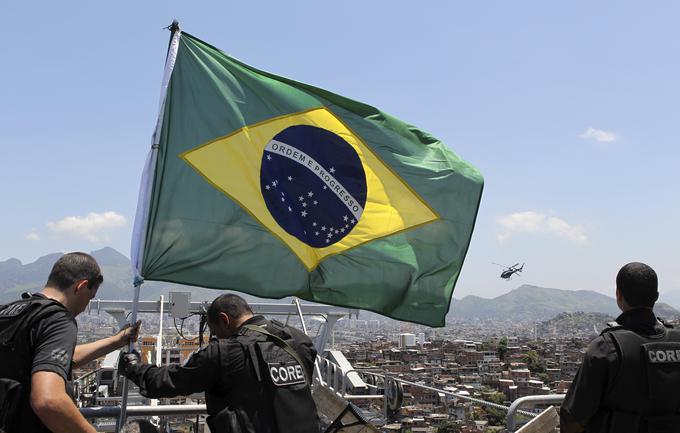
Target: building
{"points": [[407, 340]]}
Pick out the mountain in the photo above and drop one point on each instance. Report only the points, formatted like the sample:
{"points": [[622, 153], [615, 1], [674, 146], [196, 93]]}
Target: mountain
{"points": [[13, 273], [574, 324], [531, 303], [526, 303], [16, 278], [671, 297]]}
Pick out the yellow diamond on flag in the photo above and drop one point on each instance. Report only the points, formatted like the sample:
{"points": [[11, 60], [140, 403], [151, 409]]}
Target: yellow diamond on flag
{"points": [[312, 182]]}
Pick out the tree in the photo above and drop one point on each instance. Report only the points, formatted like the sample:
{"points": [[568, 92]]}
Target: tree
{"points": [[502, 348], [493, 415], [447, 427], [534, 362], [486, 345]]}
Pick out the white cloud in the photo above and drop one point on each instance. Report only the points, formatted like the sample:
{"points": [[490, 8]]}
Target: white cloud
{"points": [[599, 135], [92, 227], [502, 237], [33, 236], [536, 222]]}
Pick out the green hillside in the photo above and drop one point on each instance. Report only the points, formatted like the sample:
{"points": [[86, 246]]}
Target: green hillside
{"points": [[530, 303]]}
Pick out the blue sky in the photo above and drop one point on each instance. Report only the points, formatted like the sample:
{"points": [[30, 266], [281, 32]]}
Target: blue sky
{"points": [[569, 110]]}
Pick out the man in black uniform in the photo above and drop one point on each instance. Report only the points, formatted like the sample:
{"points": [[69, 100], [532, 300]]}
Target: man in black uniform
{"points": [[629, 380], [38, 350], [256, 374]]}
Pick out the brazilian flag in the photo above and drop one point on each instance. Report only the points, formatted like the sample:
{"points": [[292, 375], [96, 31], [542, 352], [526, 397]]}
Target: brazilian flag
{"points": [[275, 188]]}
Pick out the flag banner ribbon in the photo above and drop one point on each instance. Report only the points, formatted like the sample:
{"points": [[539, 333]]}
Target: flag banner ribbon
{"points": [[276, 188]]}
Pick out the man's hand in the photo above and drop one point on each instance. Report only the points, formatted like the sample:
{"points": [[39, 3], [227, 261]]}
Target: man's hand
{"points": [[87, 352], [128, 362], [128, 333]]}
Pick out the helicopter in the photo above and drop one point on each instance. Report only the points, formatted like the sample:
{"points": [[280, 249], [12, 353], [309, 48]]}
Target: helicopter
{"points": [[509, 271]]}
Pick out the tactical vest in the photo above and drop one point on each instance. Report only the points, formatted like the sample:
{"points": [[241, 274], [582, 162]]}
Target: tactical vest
{"points": [[644, 396], [284, 385], [16, 352]]}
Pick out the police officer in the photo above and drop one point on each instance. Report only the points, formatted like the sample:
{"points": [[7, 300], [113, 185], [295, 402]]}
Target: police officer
{"points": [[629, 380], [255, 374], [38, 350]]}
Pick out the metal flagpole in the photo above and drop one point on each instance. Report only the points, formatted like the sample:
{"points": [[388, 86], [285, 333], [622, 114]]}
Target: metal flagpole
{"points": [[133, 319], [143, 203]]}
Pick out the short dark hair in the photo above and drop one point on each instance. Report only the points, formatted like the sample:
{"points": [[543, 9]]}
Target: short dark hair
{"points": [[139, 426], [233, 305], [638, 284], [73, 267]]}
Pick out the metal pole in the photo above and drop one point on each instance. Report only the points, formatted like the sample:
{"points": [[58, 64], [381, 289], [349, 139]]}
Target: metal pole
{"points": [[302, 319], [317, 369], [288, 316], [159, 340], [159, 351], [385, 393], [138, 243], [133, 319]]}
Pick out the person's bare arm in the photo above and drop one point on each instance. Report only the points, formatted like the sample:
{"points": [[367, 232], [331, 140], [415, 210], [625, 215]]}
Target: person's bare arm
{"points": [[54, 407], [85, 353]]}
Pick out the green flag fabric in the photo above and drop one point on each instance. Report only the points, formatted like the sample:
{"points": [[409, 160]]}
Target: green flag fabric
{"points": [[276, 188]]}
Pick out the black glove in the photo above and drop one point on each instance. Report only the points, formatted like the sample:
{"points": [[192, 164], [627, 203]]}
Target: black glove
{"points": [[128, 362]]}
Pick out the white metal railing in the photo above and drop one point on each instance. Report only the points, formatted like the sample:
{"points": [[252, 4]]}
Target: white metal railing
{"points": [[336, 380], [531, 400], [339, 387], [170, 409]]}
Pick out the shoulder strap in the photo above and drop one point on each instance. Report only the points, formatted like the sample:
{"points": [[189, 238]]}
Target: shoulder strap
{"points": [[611, 326], [663, 322], [282, 343], [249, 349]]}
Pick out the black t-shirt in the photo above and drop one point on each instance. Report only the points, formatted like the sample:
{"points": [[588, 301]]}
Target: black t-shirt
{"points": [[50, 347], [54, 340]]}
